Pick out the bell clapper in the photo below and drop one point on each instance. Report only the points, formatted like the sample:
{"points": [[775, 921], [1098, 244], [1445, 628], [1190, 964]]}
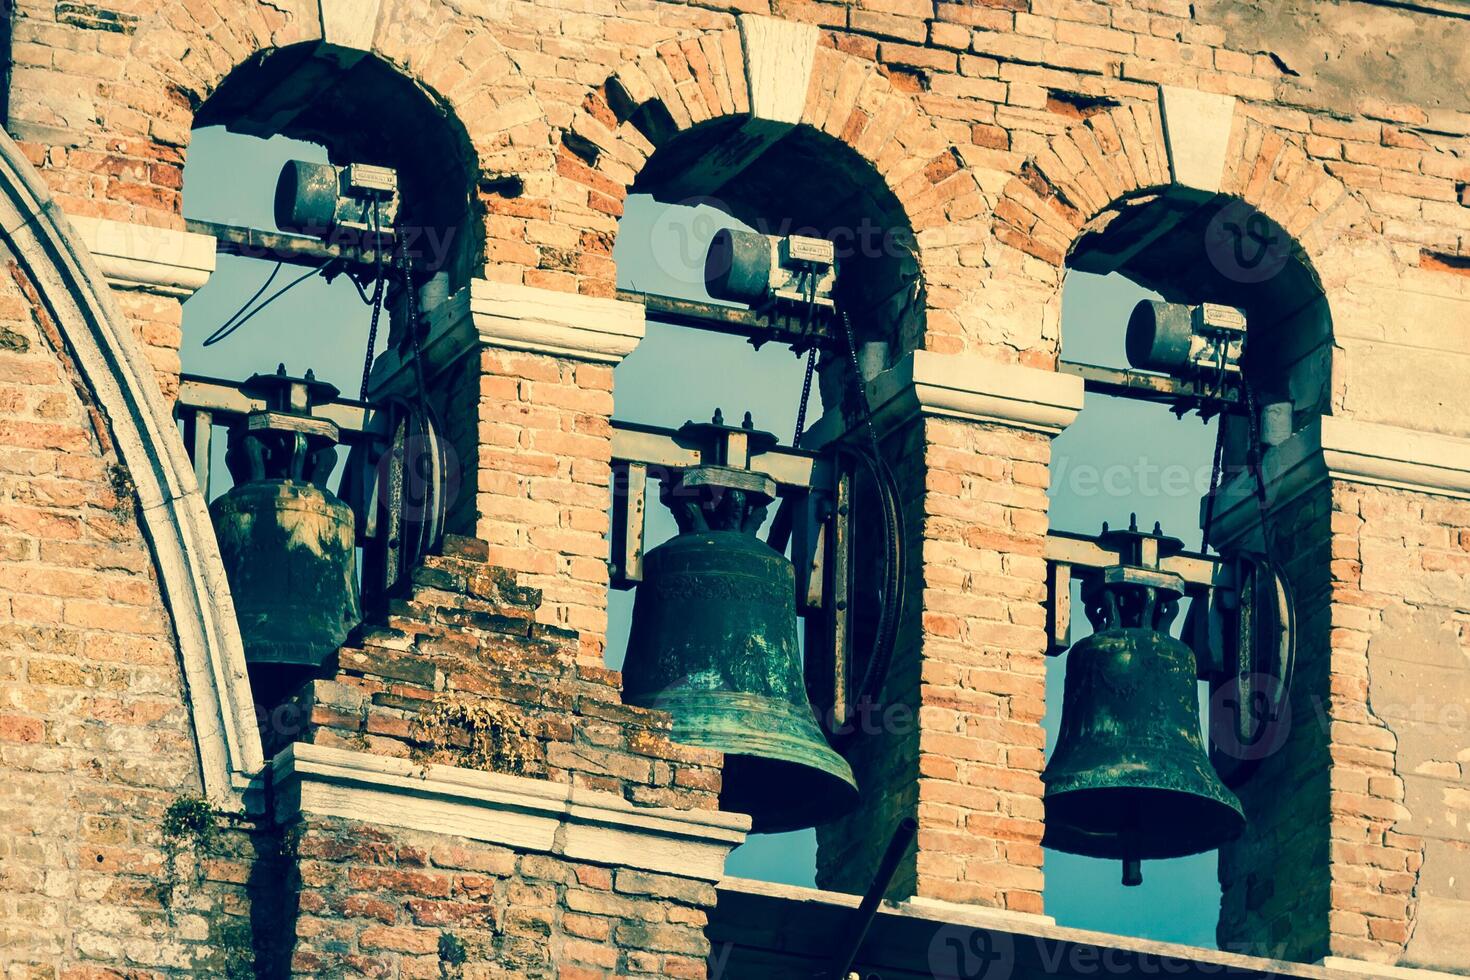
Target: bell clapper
{"points": [[1132, 872]]}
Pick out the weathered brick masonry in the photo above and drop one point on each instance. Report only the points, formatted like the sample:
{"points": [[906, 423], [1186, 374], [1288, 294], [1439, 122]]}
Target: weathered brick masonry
{"points": [[1012, 139], [461, 675], [95, 735]]}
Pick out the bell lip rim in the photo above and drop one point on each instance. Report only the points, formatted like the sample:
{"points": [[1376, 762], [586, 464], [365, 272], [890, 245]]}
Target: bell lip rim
{"points": [[834, 799], [782, 747], [1229, 800], [1059, 835]]}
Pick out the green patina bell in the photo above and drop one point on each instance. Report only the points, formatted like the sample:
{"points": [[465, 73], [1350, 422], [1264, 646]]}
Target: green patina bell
{"points": [[1129, 778], [714, 643], [287, 543]]}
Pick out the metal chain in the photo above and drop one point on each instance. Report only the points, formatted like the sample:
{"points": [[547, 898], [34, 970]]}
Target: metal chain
{"points": [[1216, 471], [811, 360], [378, 291]]}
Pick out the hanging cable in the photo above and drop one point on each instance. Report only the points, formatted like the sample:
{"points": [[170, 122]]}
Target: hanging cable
{"points": [[233, 324], [1216, 472], [377, 301], [411, 300], [246, 305]]}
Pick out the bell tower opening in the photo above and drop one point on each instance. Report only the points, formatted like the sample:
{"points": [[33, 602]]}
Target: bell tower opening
{"points": [[1149, 449], [786, 374], [335, 188]]}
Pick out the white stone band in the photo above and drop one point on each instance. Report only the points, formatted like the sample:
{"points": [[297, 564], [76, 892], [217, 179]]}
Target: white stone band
{"points": [[515, 317], [157, 260], [513, 811], [958, 386], [1343, 449]]}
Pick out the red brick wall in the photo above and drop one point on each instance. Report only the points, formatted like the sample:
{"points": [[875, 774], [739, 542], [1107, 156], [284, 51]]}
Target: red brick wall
{"points": [[95, 737], [962, 748], [387, 903]]}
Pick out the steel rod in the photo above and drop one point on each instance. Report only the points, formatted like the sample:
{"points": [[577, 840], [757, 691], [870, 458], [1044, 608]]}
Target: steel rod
{"points": [[256, 243], [898, 846]]}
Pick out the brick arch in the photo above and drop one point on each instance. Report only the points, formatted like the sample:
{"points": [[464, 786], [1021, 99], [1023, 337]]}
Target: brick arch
{"points": [[1112, 174], [1102, 161], [162, 512], [664, 93], [178, 54]]}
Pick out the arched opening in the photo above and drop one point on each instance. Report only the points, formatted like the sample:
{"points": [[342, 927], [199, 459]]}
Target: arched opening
{"points": [[805, 183], [313, 302], [1126, 455], [363, 110]]}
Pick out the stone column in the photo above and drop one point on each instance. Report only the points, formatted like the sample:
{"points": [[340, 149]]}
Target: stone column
{"points": [[1359, 816], [961, 746], [523, 380], [152, 272]]}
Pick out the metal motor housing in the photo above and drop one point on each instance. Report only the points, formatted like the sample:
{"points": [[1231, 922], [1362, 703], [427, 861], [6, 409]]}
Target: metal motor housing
{"points": [[323, 200]]}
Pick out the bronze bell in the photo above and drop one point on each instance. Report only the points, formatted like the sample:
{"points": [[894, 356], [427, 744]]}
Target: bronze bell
{"points": [[287, 543], [714, 643], [1129, 778]]}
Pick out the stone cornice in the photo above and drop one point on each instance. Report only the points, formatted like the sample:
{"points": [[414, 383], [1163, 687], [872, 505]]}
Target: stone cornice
{"points": [[515, 317], [973, 389], [1354, 452], [513, 811], [155, 260]]}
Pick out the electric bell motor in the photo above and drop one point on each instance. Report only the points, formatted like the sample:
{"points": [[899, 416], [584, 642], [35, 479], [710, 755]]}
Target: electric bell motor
{"points": [[1186, 341], [359, 200], [764, 270]]}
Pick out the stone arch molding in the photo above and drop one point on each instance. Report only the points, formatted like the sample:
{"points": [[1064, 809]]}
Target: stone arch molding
{"points": [[774, 75], [1193, 143], [171, 510]]}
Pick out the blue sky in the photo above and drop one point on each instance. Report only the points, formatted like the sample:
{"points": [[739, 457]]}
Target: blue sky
{"points": [[1118, 457]]}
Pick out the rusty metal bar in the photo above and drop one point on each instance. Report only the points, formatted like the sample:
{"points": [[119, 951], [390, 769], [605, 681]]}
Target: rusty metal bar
{"points": [[739, 321], [898, 846], [198, 430], [630, 495], [276, 246], [1146, 386]]}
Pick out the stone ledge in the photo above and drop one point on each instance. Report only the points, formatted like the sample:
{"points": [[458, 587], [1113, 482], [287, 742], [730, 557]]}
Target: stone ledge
{"points": [[513, 811], [156, 260], [1342, 449], [967, 388], [766, 929], [1361, 968], [524, 318]]}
